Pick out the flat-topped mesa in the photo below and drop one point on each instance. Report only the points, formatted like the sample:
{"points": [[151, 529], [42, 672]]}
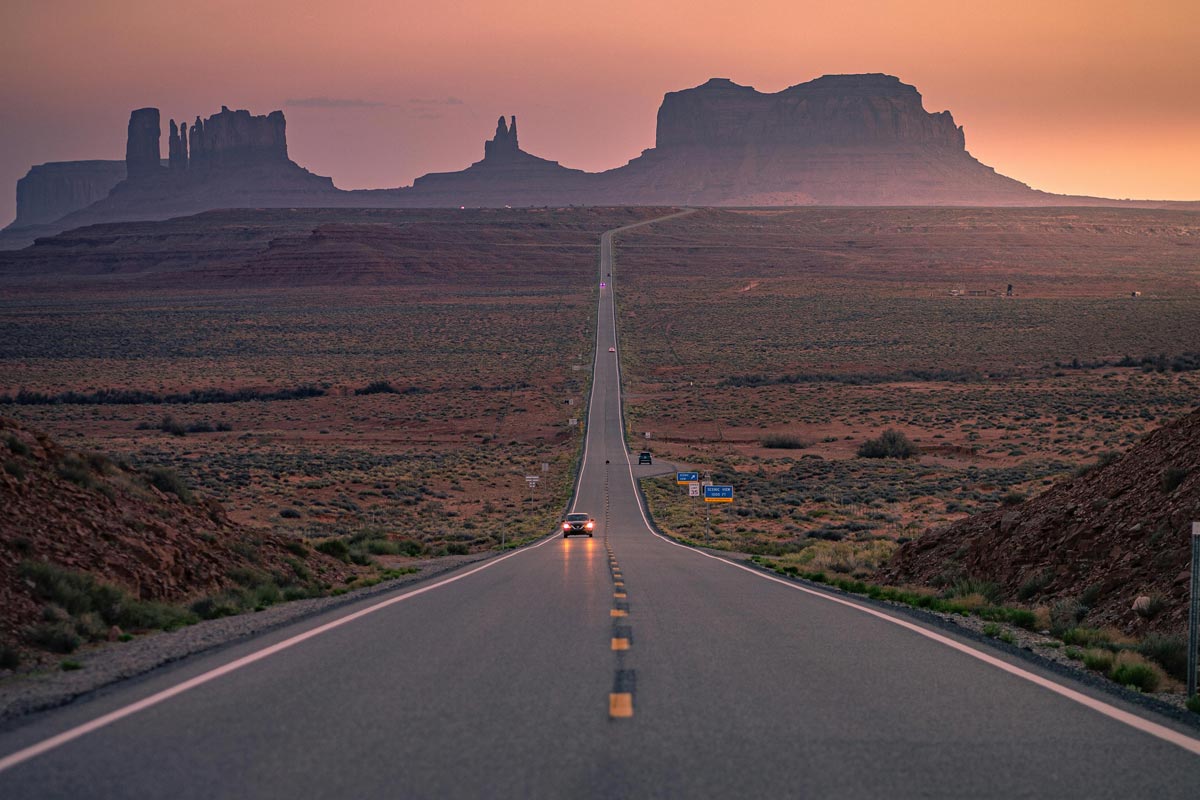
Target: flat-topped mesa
{"points": [[141, 144], [504, 143], [830, 111], [238, 138]]}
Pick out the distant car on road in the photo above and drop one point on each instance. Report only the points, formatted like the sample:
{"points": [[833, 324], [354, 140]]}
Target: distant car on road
{"points": [[578, 522], [612, 349], [644, 457]]}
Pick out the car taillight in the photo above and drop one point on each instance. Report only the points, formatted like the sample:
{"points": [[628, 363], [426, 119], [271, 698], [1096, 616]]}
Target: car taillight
{"points": [[591, 525], [566, 526]]}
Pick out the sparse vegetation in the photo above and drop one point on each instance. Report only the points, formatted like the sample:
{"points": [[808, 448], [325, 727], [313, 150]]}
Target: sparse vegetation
{"points": [[890, 444], [1173, 478], [133, 397], [784, 441], [1170, 652], [80, 608], [1130, 669], [168, 481]]}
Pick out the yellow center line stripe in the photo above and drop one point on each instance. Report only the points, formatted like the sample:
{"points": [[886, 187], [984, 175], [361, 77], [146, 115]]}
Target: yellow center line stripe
{"points": [[620, 643], [619, 595], [620, 612], [620, 705]]}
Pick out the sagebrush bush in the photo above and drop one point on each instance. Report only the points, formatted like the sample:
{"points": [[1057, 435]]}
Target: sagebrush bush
{"points": [[93, 605], [1172, 478], [890, 444], [783, 441], [1130, 669], [1098, 660], [334, 547], [1170, 652], [169, 482]]}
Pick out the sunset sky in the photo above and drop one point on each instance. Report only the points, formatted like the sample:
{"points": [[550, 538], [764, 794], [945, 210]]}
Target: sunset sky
{"points": [[1082, 97]]}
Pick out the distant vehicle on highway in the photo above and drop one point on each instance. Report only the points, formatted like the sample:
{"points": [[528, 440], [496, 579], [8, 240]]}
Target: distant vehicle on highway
{"points": [[577, 522], [644, 457], [612, 349]]}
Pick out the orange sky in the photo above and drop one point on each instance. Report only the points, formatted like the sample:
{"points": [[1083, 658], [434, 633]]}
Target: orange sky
{"points": [[1078, 97]]}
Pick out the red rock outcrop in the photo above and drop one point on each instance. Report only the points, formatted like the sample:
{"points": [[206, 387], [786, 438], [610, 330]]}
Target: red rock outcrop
{"points": [[86, 513], [1117, 533]]}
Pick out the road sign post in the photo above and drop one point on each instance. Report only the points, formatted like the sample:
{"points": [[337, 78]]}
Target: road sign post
{"points": [[1194, 614], [714, 494]]}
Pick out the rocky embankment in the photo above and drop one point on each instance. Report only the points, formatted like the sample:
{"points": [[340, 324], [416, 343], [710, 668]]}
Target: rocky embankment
{"points": [[1115, 540], [72, 520]]}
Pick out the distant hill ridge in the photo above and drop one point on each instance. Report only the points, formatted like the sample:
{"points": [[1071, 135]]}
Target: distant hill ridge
{"points": [[836, 140]]}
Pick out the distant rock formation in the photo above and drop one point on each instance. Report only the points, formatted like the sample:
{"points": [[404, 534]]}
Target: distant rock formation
{"points": [[507, 175], [237, 138], [832, 111], [49, 192], [504, 143], [142, 152], [176, 159], [835, 140], [232, 159]]}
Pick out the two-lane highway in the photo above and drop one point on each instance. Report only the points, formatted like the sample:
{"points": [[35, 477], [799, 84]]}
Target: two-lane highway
{"points": [[619, 666]]}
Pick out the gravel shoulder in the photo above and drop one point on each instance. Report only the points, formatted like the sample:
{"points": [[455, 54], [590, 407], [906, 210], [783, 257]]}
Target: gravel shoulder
{"points": [[107, 663]]}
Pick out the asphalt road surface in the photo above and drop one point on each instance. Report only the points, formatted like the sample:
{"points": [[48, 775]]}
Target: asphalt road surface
{"points": [[618, 666]]}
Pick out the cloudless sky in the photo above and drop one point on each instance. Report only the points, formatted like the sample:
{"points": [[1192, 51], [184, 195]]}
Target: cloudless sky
{"points": [[1080, 96]]}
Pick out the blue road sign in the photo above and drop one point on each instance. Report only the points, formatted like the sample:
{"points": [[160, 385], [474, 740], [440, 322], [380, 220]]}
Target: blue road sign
{"points": [[687, 477], [718, 494]]}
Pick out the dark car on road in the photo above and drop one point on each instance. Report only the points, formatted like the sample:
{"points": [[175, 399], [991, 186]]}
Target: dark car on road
{"points": [[644, 458], [578, 522]]}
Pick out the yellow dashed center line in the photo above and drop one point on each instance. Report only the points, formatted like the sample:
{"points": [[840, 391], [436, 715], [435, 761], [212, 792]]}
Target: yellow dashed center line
{"points": [[619, 612], [619, 595], [620, 705], [619, 643]]}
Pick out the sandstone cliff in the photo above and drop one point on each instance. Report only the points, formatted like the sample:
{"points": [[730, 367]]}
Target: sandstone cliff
{"points": [[232, 159], [51, 191], [836, 140]]}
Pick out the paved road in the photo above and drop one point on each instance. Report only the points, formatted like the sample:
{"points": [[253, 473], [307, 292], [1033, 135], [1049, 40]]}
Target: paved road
{"points": [[505, 681]]}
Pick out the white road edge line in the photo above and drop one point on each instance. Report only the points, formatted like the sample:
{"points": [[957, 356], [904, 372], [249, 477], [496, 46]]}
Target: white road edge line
{"points": [[34, 750], [1189, 743]]}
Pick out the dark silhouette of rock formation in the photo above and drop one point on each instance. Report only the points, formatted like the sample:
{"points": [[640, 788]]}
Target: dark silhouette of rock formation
{"points": [[835, 140], [232, 159], [176, 159], [504, 143], [838, 140], [237, 138], [49, 192], [141, 145], [507, 175]]}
